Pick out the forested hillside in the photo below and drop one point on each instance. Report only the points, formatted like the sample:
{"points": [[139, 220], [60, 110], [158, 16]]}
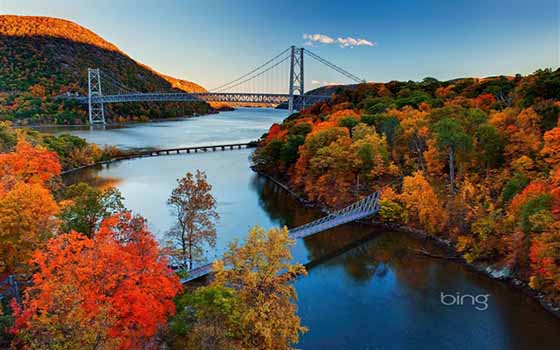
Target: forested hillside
{"points": [[42, 57], [475, 162]]}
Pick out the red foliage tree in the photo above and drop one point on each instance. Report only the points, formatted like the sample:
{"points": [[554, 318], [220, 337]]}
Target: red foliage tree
{"points": [[28, 164], [117, 281], [485, 101]]}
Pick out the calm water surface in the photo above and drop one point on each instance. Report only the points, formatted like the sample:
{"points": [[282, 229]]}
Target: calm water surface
{"points": [[365, 289]]}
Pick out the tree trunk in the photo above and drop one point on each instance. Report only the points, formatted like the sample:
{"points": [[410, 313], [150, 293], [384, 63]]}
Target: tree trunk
{"points": [[190, 247], [418, 147], [184, 248], [451, 170]]}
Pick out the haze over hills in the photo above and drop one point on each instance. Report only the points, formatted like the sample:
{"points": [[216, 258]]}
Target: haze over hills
{"points": [[41, 57]]}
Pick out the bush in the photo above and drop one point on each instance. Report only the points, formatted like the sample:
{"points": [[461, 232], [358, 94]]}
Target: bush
{"points": [[390, 211]]}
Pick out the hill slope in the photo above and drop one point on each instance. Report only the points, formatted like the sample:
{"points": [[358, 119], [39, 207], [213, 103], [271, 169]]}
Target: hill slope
{"points": [[41, 57]]}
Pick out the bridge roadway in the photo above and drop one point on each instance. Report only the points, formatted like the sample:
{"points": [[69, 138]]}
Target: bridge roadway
{"points": [[361, 209], [190, 149], [264, 98]]}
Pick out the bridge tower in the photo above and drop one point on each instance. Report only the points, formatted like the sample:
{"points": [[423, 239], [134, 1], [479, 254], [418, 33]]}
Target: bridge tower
{"points": [[296, 78], [95, 108]]}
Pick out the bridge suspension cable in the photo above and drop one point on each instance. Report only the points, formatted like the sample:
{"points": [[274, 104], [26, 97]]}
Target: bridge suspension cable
{"points": [[333, 66], [224, 86], [120, 87], [253, 77]]}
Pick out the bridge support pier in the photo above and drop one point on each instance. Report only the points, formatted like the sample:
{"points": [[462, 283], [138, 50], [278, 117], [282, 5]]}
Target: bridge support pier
{"points": [[296, 78], [95, 108]]}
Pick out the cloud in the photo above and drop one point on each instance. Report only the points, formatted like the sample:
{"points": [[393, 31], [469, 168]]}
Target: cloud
{"points": [[311, 39], [324, 83], [351, 42], [320, 38]]}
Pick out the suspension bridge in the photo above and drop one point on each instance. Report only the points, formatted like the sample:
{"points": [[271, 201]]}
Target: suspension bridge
{"points": [[279, 80], [361, 209]]}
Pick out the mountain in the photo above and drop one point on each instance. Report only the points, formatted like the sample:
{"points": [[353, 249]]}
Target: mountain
{"points": [[42, 57]]}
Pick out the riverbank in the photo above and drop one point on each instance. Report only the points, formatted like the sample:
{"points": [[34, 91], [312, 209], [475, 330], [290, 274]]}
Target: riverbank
{"points": [[503, 275]]}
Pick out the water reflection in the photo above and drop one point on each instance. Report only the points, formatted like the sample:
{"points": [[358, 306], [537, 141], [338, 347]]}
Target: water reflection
{"points": [[381, 295]]}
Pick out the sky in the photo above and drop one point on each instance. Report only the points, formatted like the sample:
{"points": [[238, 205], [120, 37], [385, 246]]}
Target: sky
{"points": [[212, 42]]}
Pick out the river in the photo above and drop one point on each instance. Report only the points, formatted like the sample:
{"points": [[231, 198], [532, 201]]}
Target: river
{"points": [[365, 289]]}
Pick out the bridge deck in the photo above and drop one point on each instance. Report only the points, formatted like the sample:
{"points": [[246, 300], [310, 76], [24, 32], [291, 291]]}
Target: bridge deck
{"points": [[190, 149], [199, 96], [356, 211]]}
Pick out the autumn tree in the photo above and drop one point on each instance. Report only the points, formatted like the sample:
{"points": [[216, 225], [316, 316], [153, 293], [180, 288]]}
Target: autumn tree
{"points": [[411, 140], [26, 221], [544, 253], [260, 271], [87, 207], [194, 209], [112, 291], [452, 138], [208, 318], [422, 204], [521, 131], [27, 208], [490, 145], [551, 148], [28, 164]]}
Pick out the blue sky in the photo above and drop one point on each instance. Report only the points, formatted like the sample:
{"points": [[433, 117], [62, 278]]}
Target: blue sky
{"points": [[211, 42]]}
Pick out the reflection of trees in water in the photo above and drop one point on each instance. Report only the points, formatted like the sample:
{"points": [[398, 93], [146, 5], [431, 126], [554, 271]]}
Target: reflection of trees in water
{"points": [[92, 177], [280, 205], [388, 251], [326, 243]]}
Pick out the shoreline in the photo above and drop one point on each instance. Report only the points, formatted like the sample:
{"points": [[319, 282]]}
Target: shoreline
{"points": [[480, 268], [113, 125]]}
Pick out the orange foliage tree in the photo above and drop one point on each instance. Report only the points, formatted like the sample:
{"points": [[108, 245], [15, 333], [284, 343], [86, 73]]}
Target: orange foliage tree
{"points": [[422, 204], [521, 131], [117, 282], [551, 149], [28, 164]]}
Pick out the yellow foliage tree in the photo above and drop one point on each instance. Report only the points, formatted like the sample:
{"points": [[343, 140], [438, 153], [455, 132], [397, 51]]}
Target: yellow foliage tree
{"points": [[260, 271], [422, 204], [26, 221]]}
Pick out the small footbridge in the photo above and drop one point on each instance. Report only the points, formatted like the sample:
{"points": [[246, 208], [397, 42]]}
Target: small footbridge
{"points": [[361, 209]]}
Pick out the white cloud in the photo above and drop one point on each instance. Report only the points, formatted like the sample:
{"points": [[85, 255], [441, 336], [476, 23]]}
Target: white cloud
{"points": [[311, 39], [320, 38], [351, 42], [324, 83]]}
